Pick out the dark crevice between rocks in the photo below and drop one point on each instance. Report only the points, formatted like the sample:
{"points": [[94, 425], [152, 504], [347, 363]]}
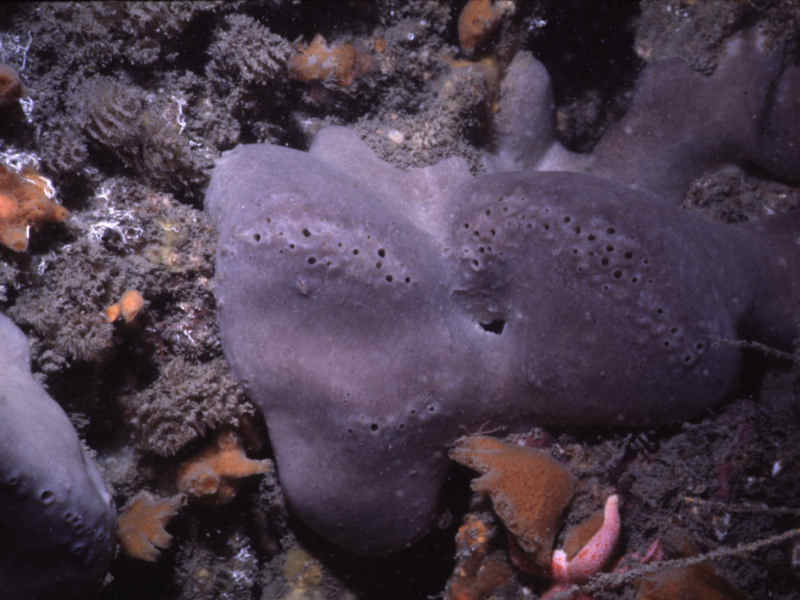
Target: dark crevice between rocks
{"points": [[589, 52]]}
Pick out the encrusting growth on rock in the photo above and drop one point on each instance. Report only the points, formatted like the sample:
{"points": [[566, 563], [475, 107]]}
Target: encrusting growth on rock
{"points": [[318, 62], [140, 527], [128, 307], [478, 20], [214, 472], [528, 488], [26, 199], [479, 571]]}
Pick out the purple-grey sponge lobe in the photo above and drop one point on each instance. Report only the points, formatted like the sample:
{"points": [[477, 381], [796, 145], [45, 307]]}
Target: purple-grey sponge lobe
{"points": [[612, 302], [780, 139], [372, 337], [57, 513], [335, 312], [682, 123], [376, 314]]}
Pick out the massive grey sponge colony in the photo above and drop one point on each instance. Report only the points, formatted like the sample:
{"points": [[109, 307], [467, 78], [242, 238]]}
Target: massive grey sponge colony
{"points": [[57, 519], [376, 314]]}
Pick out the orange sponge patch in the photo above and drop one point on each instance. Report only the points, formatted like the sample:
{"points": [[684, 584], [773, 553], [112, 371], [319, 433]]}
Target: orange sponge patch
{"points": [[478, 19], [26, 199], [319, 62], [528, 488], [479, 572], [140, 527], [129, 306], [214, 472]]}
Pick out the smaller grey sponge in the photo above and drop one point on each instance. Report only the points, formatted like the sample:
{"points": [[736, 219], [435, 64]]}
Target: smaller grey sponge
{"points": [[56, 512]]}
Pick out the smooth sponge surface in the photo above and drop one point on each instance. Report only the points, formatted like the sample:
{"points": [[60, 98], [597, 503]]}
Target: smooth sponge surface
{"points": [[57, 514], [374, 323]]}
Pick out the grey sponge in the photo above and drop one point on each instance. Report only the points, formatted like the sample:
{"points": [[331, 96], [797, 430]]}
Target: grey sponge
{"points": [[374, 324], [57, 514], [376, 315]]}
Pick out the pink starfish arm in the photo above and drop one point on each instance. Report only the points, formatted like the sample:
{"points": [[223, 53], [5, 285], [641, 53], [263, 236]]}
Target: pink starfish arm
{"points": [[591, 558]]}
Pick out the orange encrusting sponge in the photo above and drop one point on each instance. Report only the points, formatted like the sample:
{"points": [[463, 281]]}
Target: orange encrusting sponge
{"points": [[528, 488], [26, 200]]}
